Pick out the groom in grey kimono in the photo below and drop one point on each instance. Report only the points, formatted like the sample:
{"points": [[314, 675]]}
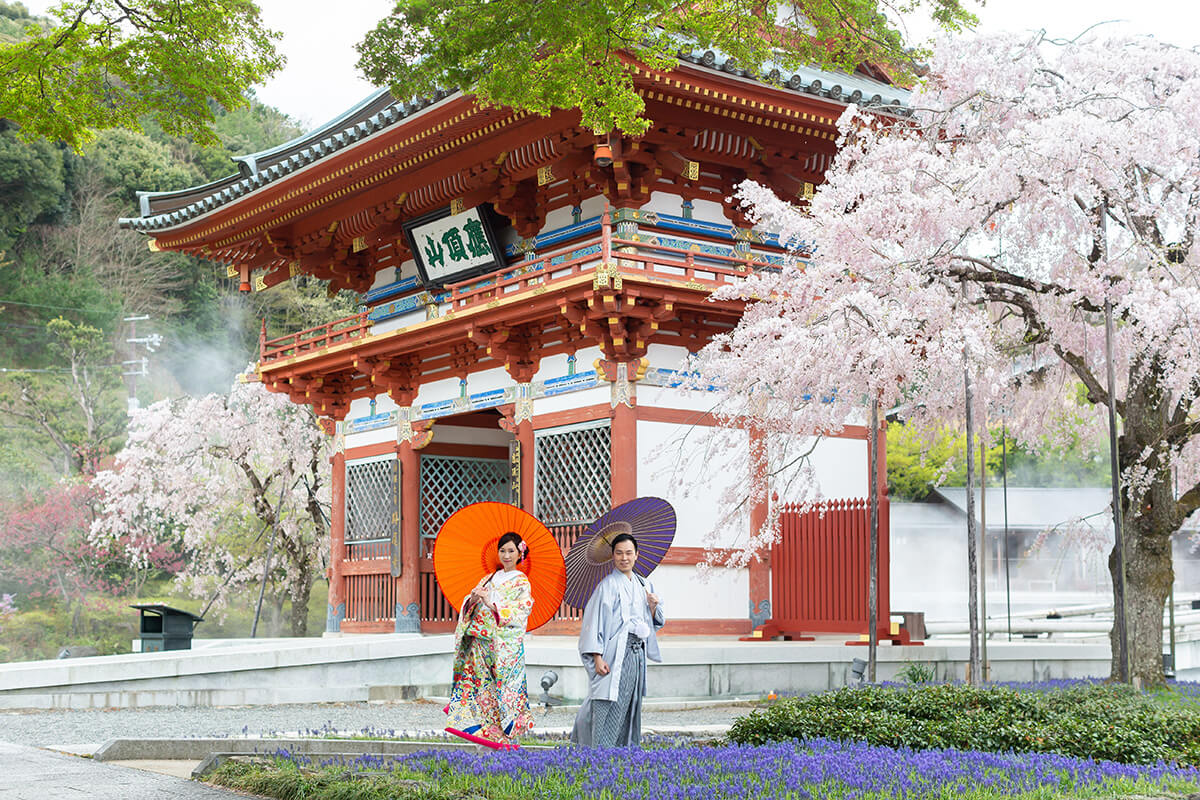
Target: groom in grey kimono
{"points": [[616, 638]]}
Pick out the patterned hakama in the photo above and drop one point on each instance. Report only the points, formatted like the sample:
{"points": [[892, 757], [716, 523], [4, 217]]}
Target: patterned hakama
{"points": [[616, 723], [489, 697]]}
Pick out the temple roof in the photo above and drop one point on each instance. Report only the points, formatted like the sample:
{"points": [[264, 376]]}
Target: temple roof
{"points": [[161, 211]]}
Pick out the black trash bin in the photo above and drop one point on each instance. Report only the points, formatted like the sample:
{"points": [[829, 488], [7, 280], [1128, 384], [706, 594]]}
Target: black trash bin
{"points": [[165, 628]]}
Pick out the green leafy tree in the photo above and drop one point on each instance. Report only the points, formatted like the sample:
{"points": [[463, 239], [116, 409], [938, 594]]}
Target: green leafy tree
{"points": [[76, 404], [541, 56], [110, 63], [32, 183]]}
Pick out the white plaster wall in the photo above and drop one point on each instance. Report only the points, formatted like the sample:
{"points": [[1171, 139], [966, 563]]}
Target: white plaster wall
{"points": [[462, 434], [666, 356], [407, 270], [593, 206], [404, 320], [682, 399], [570, 400], [667, 451], [558, 218], [665, 203], [377, 436], [487, 380], [722, 594], [552, 367], [840, 466], [444, 389], [384, 277], [361, 406]]}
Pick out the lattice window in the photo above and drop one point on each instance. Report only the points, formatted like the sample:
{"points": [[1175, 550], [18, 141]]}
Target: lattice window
{"points": [[448, 483], [372, 498], [572, 473]]}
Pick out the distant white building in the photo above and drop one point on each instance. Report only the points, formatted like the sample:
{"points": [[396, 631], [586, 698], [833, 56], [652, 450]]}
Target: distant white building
{"points": [[1049, 547]]}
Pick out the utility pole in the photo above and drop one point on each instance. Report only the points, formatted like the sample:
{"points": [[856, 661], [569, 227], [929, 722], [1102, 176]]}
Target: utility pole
{"points": [[136, 366], [873, 548]]}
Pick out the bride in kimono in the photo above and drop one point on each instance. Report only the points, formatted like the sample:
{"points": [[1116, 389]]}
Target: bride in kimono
{"points": [[489, 700]]}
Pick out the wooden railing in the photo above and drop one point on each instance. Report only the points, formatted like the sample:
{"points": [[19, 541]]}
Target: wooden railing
{"points": [[609, 257], [615, 256], [307, 341]]}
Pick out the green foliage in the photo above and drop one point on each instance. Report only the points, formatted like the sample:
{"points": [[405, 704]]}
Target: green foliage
{"points": [[542, 56], [918, 462], [1113, 722], [916, 672], [32, 184], [107, 625], [109, 63], [127, 161]]}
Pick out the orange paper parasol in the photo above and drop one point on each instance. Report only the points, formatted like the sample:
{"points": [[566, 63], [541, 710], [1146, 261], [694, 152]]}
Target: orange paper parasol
{"points": [[465, 552]]}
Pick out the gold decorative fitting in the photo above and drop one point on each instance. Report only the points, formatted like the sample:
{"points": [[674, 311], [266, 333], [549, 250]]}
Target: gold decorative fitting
{"points": [[360, 243], [260, 283], [231, 270], [457, 206], [694, 284], [152, 244], [808, 191], [545, 175], [692, 170], [539, 290], [294, 269], [493, 304], [606, 275]]}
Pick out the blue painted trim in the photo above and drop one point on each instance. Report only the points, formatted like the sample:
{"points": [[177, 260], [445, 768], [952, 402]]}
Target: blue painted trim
{"points": [[334, 618], [384, 292], [408, 618]]}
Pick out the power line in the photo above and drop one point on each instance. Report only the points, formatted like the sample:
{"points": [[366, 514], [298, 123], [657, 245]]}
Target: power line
{"points": [[61, 308]]}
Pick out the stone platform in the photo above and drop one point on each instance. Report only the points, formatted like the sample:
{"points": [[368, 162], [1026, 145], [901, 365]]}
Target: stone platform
{"points": [[408, 666]]}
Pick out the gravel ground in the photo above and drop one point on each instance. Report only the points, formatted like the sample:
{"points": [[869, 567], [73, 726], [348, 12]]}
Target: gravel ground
{"points": [[40, 728]]}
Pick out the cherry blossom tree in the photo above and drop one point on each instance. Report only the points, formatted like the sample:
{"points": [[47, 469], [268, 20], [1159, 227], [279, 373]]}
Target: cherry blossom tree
{"points": [[227, 474], [46, 552], [1033, 183]]}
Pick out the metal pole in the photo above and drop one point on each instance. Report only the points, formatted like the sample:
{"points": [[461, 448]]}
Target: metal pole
{"points": [[262, 586], [983, 631], [1119, 610], [1004, 478], [873, 554], [973, 671]]}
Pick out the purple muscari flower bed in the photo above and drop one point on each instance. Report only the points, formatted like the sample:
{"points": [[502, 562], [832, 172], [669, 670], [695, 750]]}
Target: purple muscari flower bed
{"points": [[823, 767]]}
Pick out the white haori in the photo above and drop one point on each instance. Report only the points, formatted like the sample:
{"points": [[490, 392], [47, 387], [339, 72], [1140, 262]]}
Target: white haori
{"points": [[616, 609]]}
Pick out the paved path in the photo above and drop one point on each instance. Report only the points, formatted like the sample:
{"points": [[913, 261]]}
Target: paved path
{"points": [[27, 773], [42, 728]]}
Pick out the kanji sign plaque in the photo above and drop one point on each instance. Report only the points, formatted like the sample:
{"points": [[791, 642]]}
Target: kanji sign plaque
{"points": [[450, 247]]}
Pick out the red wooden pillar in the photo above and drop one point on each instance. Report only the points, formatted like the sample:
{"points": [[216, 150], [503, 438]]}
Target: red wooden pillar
{"points": [[336, 611], [623, 453], [760, 566], [525, 438], [408, 585]]}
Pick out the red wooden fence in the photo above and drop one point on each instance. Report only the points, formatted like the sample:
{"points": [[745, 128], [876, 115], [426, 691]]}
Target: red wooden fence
{"points": [[819, 571]]}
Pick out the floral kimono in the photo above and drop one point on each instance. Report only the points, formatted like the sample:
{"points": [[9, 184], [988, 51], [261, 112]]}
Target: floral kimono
{"points": [[489, 699]]}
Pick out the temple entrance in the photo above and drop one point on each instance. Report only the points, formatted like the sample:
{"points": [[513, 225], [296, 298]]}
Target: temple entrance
{"points": [[449, 483]]}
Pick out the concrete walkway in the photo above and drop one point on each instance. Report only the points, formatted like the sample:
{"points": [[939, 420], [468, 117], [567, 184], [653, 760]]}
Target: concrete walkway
{"points": [[27, 773]]}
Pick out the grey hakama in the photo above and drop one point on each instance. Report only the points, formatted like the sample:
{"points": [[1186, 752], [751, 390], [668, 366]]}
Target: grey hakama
{"points": [[611, 715]]}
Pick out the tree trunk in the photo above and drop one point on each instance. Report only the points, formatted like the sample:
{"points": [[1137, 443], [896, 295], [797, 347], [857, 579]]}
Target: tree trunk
{"points": [[301, 590], [1148, 524], [1149, 575]]}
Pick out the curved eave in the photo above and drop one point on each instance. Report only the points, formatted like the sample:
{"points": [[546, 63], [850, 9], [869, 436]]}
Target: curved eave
{"points": [[163, 212]]}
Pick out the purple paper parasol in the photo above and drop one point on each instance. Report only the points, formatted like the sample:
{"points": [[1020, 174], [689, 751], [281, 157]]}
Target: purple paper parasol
{"points": [[651, 520]]}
